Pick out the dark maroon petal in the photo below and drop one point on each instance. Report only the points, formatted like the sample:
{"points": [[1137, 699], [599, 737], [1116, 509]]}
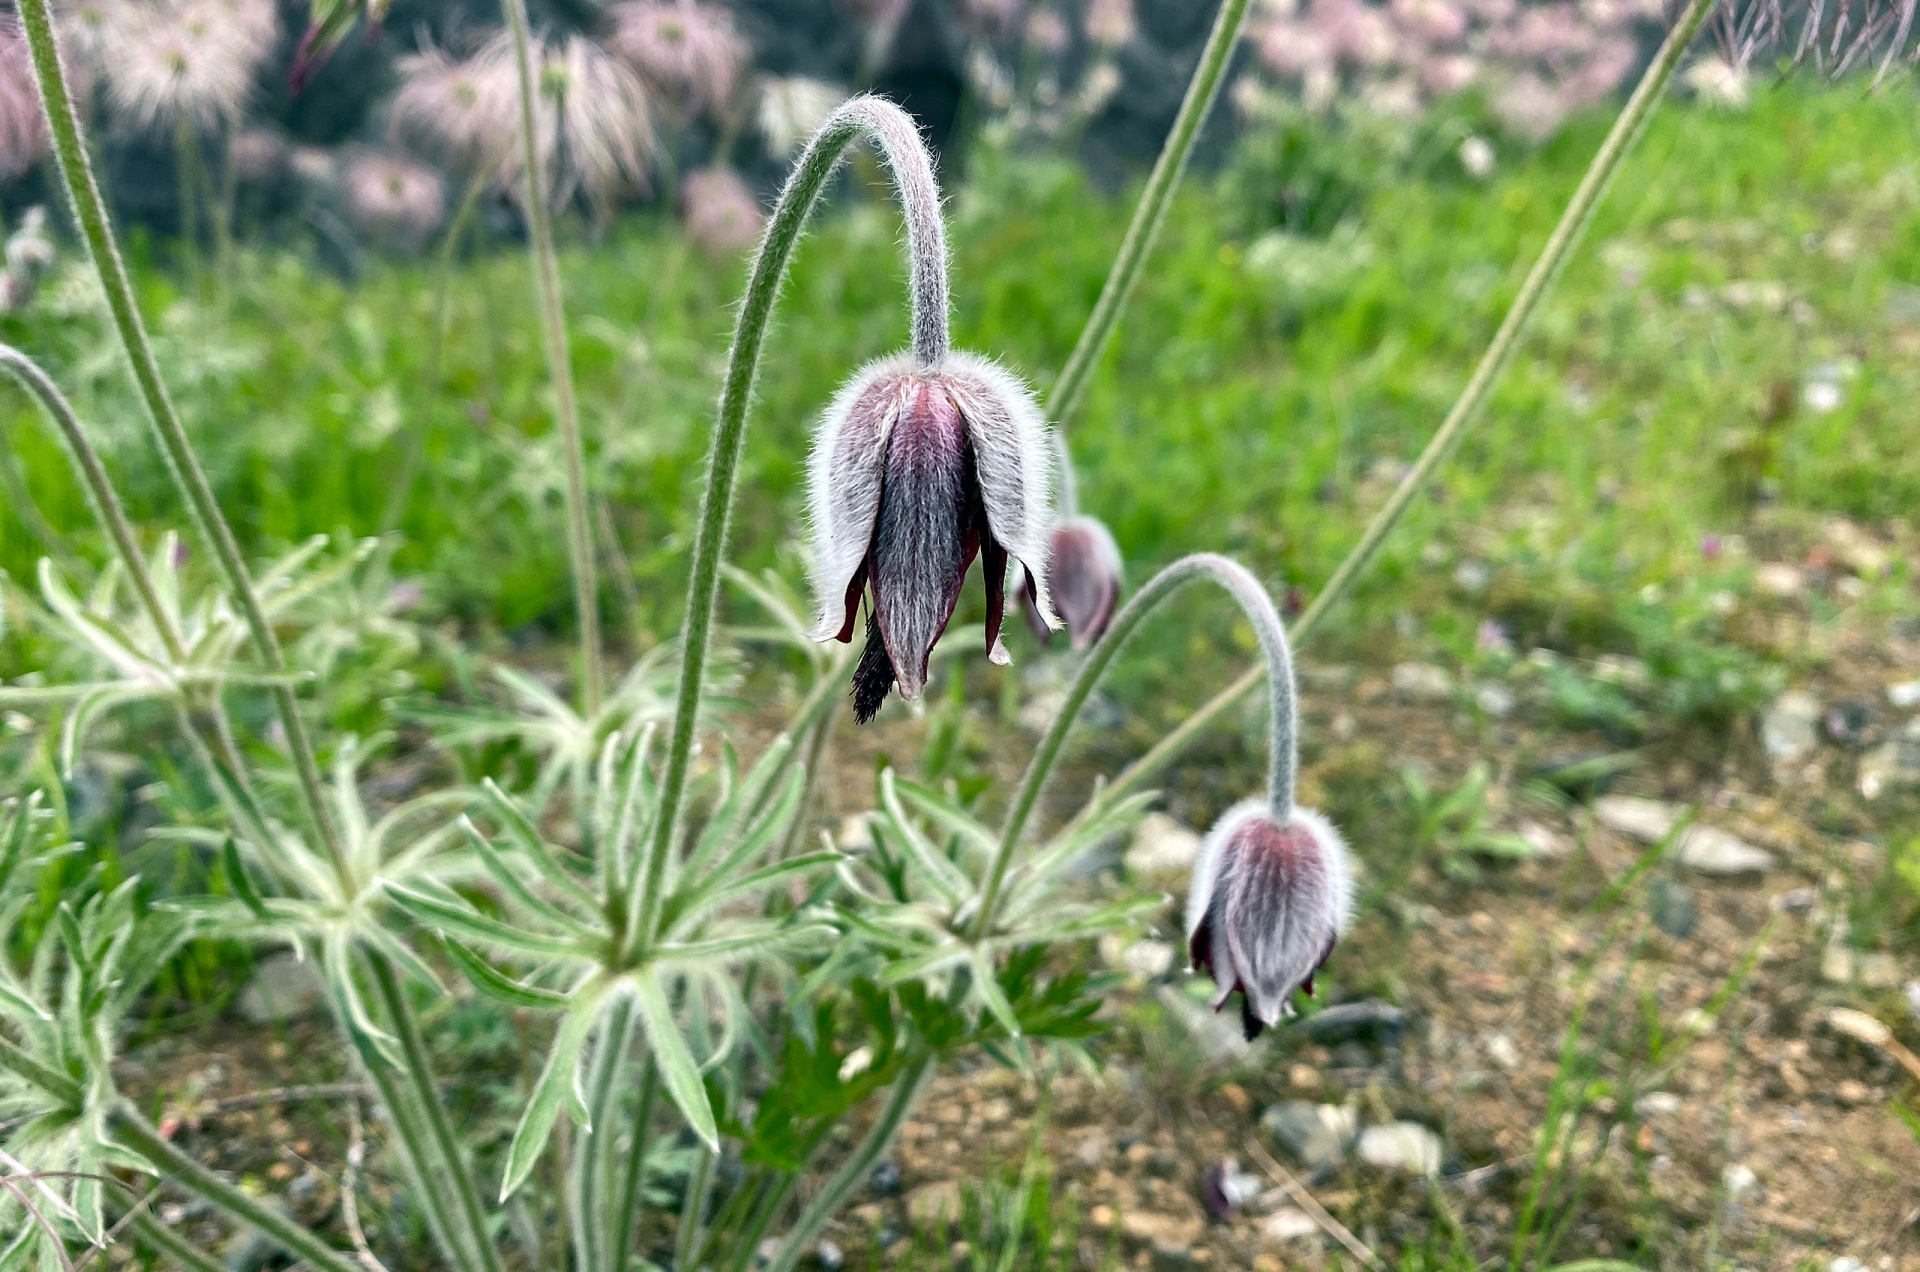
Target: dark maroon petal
{"points": [[859, 581], [993, 565], [1030, 606], [1250, 1024], [927, 531], [1200, 944]]}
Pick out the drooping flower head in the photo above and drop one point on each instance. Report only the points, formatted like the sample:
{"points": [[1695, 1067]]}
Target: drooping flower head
{"points": [[1272, 890], [690, 52], [1270, 895], [1083, 576], [916, 470]]}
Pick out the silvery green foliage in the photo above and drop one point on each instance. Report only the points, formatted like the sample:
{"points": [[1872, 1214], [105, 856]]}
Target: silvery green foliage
{"points": [[585, 940], [64, 1007]]}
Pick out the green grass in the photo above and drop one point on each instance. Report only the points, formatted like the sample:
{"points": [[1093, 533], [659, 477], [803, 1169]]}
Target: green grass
{"points": [[1230, 413]]}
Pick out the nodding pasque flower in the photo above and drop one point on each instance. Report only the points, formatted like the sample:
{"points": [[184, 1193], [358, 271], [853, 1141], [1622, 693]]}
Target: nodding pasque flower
{"points": [[1084, 573], [1273, 887], [917, 468]]}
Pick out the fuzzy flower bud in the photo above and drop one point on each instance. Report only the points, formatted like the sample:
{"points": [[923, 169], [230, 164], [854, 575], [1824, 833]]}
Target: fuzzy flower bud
{"points": [[1270, 896], [1083, 578], [917, 468]]}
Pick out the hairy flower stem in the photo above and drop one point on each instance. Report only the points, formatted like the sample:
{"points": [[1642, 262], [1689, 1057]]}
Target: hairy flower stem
{"points": [[1282, 747], [418, 1071], [1566, 236], [1149, 215], [892, 132], [855, 1170], [63, 124], [553, 322], [174, 1246], [412, 1140], [626, 1218], [132, 1130], [593, 1163]]}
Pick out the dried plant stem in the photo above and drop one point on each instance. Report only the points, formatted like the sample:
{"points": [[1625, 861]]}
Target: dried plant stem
{"points": [[1150, 214], [854, 1171], [1281, 745], [350, 1185], [90, 212], [894, 134], [134, 1131], [553, 322], [1472, 401]]}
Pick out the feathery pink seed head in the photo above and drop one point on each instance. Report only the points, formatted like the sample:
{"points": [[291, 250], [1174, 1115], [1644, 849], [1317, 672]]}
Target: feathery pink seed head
{"points": [[1270, 896], [688, 51]]}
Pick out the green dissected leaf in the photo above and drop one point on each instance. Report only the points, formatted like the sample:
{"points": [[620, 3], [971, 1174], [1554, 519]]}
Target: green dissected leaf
{"points": [[525, 834], [514, 885], [559, 1084], [676, 1062], [496, 984], [946, 878], [809, 1097], [760, 938], [236, 872], [987, 984], [1077, 924], [376, 1044], [722, 891], [456, 918], [957, 822]]}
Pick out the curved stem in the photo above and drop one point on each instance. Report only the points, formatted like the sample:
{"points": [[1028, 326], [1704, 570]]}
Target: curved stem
{"points": [[1151, 212], [63, 125], [1282, 747], [894, 134], [553, 322], [1566, 236], [99, 487], [833, 1194]]}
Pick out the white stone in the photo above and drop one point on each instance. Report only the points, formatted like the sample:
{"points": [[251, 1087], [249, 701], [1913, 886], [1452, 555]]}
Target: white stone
{"points": [[283, 987], [1495, 699], [1904, 695], [1739, 1179], [1503, 1051], [1545, 842], [1657, 1104], [1289, 1223], [1788, 729], [1422, 682], [1161, 846], [1401, 1146], [1707, 849], [1148, 960], [1778, 579], [1647, 820]]}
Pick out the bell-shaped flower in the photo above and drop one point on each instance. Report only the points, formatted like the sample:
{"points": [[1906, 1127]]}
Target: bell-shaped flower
{"points": [[1083, 579], [1270, 896], [917, 468]]}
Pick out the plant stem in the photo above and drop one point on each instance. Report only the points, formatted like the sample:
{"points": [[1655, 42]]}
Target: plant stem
{"points": [[99, 487], [1566, 236], [174, 1246], [894, 134], [620, 1244], [593, 1166], [133, 1130], [553, 322], [833, 1193], [21, 1065], [419, 1075], [63, 124], [1281, 745], [1149, 215], [412, 1142]]}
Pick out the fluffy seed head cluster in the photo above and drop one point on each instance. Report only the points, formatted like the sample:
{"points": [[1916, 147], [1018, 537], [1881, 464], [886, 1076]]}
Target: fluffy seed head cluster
{"points": [[1109, 23], [1271, 893], [460, 110], [393, 197], [259, 154], [172, 62], [916, 470], [689, 52], [23, 130], [792, 107], [1538, 62], [721, 216]]}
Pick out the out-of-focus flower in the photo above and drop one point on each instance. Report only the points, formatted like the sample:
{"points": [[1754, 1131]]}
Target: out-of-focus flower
{"points": [[23, 129], [1083, 579], [401, 201], [1606, 65], [1355, 31], [1435, 21], [312, 164], [259, 154], [1529, 107], [1271, 893], [1293, 49], [86, 30], [606, 139], [1395, 98], [1547, 31], [874, 12], [1102, 84], [191, 62], [792, 107], [1492, 638], [915, 471], [995, 19], [30, 254], [690, 52], [1717, 81], [1109, 23], [464, 111], [1477, 157], [1444, 74], [721, 214], [1048, 33]]}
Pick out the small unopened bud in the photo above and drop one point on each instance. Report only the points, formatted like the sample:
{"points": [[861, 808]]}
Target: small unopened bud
{"points": [[1083, 578], [1269, 898]]}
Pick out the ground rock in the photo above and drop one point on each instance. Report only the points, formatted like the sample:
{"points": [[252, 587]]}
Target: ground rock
{"points": [[1288, 1223], [1789, 729], [1161, 847], [1422, 682], [1348, 1022], [283, 988], [1315, 1134], [934, 1205], [1146, 1228], [1707, 849], [1894, 763], [1400, 1146]]}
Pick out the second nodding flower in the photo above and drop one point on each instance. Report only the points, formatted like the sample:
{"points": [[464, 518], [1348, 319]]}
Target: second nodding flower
{"points": [[917, 468]]}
